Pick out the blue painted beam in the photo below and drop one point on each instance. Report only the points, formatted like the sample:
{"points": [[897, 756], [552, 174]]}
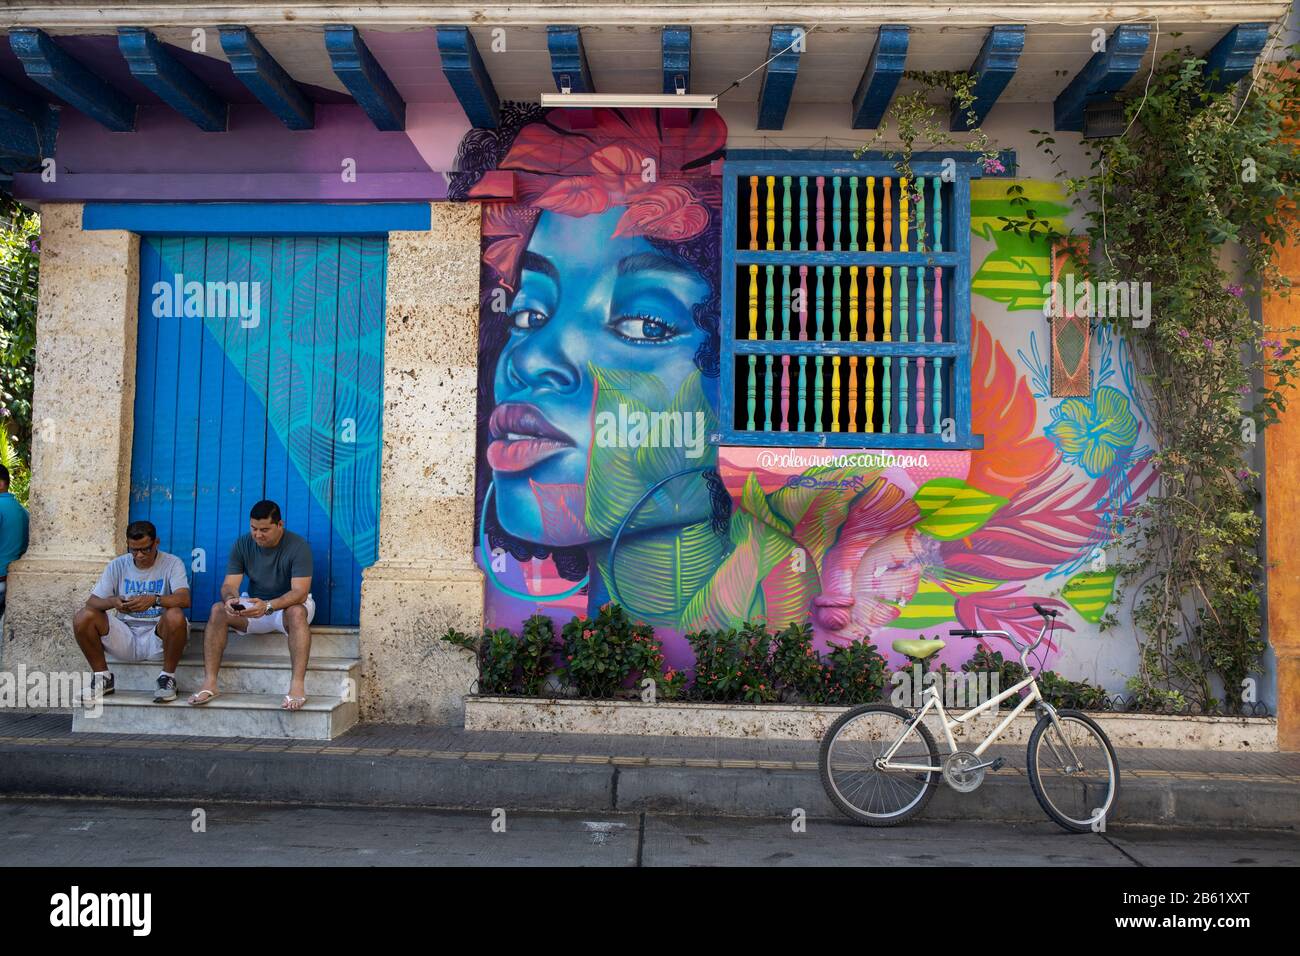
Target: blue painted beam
{"points": [[265, 219], [1103, 75], [365, 79], [153, 65], [569, 59], [993, 70], [47, 64], [267, 80], [469, 79], [1234, 56], [676, 43], [20, 144], [884, 70], [27, 128], [779, 76]]}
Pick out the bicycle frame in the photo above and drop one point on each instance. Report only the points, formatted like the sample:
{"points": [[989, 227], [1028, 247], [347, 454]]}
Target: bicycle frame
{"points": [[933, 700]]}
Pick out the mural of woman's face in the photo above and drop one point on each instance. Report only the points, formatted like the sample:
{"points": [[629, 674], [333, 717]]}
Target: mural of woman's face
{"points": [[586, 298]]}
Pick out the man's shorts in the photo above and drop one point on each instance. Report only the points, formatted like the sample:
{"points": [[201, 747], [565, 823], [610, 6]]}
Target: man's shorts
{"points": [[132, 640], [274, 622]]}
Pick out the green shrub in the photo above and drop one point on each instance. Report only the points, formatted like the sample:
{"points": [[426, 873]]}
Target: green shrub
{"points": [[796, 666], [508, 664], [733, 665], [602, 655], [853, 673]]}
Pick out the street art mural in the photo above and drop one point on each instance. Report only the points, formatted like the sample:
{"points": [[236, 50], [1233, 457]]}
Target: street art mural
{"points": [[598, 388]]}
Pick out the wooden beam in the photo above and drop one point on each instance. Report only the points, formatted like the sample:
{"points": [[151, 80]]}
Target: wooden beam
{"points": [[20, 140], [569, 59], [153, 65], [880, 78], [47, 64], [676, 42], [468, 76], [785, 47], [1104, 75], [993, 70], [267, 80], [365, 79], [1234, 56]]}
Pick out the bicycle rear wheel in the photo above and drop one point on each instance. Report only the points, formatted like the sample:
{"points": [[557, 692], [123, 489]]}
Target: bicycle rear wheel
{"points": [[865, 793], [1073, 771]]}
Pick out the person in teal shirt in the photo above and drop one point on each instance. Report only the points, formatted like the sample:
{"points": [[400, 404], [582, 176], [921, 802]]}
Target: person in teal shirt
{"points": [[13, 532]]}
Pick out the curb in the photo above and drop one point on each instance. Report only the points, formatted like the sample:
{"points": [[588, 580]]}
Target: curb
{"points": [[524, 782]]}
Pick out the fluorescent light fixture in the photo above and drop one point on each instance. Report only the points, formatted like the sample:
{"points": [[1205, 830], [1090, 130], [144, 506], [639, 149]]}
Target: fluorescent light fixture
{"points": [[653, 101]]}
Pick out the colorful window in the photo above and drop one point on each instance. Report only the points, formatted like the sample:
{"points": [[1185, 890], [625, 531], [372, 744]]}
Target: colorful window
{"points": [[846, 305]]}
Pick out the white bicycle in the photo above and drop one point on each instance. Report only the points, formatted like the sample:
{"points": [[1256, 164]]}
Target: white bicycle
{"points": [[880, 764]]}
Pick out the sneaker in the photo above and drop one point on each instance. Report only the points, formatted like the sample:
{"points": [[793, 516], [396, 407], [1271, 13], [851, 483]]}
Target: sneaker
{"points": [[100, 687], [166, 690]]}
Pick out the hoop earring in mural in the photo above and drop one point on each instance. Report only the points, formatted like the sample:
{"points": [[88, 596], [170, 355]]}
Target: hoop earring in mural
{"points": [[613, 544], [492, 575]]}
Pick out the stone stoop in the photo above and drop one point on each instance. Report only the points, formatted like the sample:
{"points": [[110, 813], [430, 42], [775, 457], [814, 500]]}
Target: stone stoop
{"points": [[254, 676]]}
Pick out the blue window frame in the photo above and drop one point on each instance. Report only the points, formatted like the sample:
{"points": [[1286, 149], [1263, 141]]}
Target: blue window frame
{"points": [[846, 304]]}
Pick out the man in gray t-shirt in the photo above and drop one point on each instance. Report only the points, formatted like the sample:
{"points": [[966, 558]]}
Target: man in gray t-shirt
{"points": [[278, 566], [136, 612]]}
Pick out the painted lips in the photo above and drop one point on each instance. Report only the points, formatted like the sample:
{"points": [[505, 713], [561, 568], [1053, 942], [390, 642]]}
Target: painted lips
{"points": [[521, 437]]}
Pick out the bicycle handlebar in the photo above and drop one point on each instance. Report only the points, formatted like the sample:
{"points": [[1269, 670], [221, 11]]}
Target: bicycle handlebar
{"points": [[1049, 616]]}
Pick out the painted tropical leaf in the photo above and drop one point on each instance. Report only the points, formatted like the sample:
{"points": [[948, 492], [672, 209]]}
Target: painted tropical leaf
{"points": [[754, 500], [935, 602], [1017, 270], [822, 519], [787, 592], [1008, 609], [792, 502], [618, 477], [1045, 526], [1003, 410], [1089, 593], [656, 573], [951, 509], [728, 597]]}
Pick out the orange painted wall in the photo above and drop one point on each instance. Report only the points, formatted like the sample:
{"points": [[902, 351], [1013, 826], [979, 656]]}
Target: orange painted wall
{"points": [[1282, 504]]}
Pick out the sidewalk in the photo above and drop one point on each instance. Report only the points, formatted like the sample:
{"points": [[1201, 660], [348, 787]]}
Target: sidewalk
{"points": [[418, 766]]}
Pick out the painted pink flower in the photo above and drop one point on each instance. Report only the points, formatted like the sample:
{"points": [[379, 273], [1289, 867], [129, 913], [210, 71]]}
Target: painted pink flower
{"points": [[661, 176]]}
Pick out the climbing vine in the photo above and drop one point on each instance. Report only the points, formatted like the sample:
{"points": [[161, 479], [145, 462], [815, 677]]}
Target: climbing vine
{"points": [[1194, 198], [915, 120]]}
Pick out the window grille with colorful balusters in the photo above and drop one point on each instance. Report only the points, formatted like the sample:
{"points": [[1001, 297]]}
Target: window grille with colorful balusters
{"points": [[879, 355]]}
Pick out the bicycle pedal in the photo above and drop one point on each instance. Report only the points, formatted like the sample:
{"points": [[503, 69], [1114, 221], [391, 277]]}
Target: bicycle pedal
{"points": [[998, 763]]}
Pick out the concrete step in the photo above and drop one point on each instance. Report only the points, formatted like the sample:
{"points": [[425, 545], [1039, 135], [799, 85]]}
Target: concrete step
{"points": [[246, 674], [325, 642], [229, 715]]}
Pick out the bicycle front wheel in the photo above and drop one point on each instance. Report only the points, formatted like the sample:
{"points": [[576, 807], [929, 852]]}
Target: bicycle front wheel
{"points": [[863, 791], [1073, 771]]}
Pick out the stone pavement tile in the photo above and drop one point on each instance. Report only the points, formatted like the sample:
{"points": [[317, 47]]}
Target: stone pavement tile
{"points": [[695, 841]]}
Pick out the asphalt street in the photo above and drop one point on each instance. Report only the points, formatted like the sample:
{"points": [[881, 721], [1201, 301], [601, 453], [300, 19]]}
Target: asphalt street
{"points": [[77, 833]]}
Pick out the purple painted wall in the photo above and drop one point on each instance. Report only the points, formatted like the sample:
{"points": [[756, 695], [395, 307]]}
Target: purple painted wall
{"points": [[257, 158]]}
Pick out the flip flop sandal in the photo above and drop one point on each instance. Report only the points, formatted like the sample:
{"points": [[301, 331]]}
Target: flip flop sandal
{"points": [[202, 697], [290, 701]]}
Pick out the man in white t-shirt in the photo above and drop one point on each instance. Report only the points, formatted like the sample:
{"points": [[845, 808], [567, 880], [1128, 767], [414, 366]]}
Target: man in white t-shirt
{"points": [[136, 613]]}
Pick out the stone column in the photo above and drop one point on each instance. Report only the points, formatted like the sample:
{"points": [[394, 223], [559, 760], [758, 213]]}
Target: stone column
{"points": [[83, 411], [1282, 504], [425, 579]]}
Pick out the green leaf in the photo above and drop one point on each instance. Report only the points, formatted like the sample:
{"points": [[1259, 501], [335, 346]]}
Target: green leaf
{"points": [[951, 509]]}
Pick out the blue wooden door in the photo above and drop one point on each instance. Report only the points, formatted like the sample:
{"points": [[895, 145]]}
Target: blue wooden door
{"points": [[260, 375]]}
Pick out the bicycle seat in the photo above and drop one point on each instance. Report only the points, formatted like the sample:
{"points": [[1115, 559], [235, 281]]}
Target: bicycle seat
{"points": [[917, 650]]}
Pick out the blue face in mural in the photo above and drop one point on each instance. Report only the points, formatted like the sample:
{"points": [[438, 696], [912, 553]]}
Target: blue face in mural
{"points": [[587, 301]]}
